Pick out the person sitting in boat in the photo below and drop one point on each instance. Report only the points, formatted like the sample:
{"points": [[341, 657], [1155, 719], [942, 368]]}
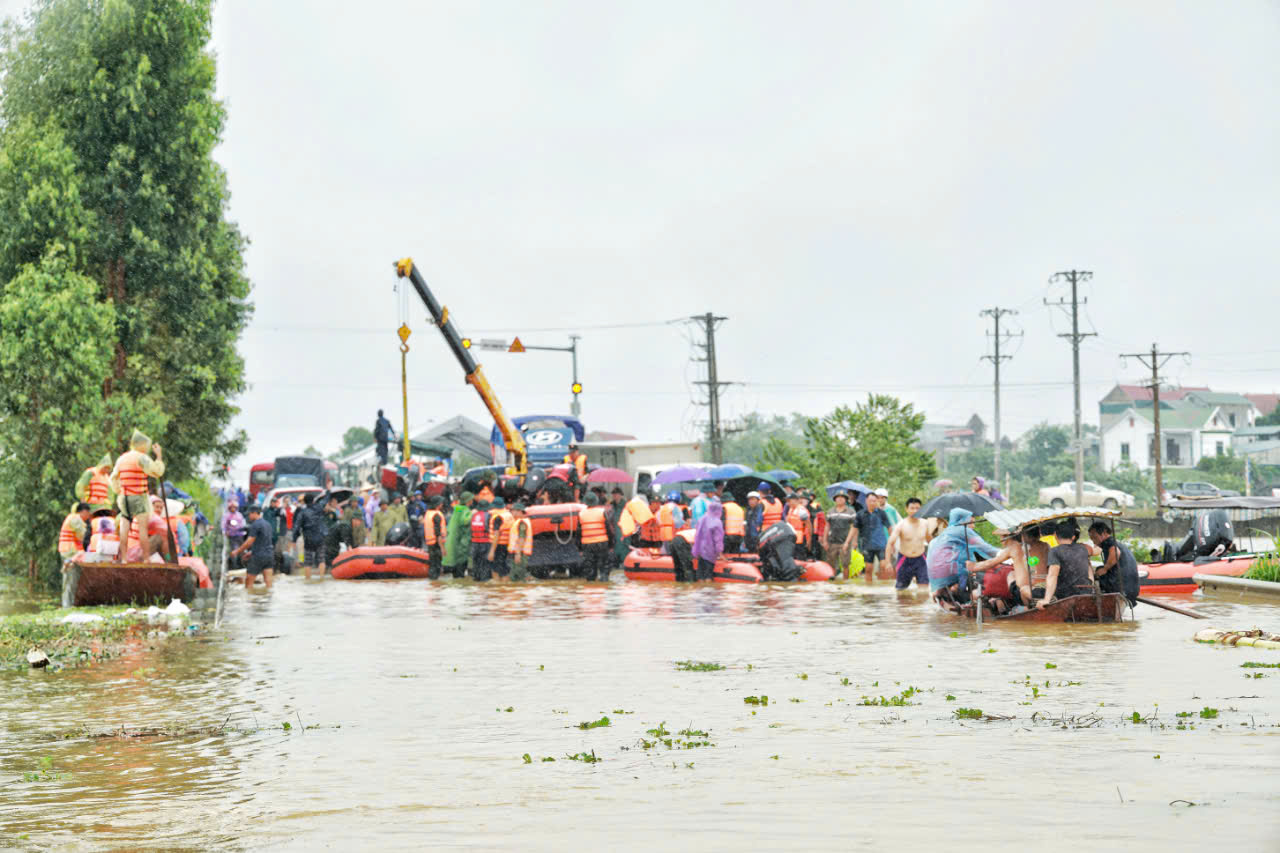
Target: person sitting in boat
{"points": [[1004, 588], [1037, 553], [129, 481], [777, 553], [949, 552], [1070, 572], [104, 542], [75, 531], [1119, 569]]}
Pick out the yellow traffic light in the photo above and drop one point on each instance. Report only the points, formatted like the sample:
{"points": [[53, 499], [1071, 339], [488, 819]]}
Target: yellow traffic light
{"points": [[576, 387], [466, 343]]}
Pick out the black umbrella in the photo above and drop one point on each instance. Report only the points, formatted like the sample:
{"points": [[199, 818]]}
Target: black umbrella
{"points": [[941, 506], [740, 486]]}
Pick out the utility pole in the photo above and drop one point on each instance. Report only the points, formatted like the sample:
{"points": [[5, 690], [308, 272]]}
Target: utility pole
{"points": [[1155, 360], [709, 322], [1075, 335], [995, 314]]}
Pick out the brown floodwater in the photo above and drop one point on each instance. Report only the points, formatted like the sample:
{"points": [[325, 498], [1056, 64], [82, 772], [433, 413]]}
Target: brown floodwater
{"points": [[420, 699]]}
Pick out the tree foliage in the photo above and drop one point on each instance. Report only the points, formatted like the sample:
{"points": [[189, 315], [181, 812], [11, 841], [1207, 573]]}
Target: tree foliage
{"points": [[355, 438], [871, 443], [745, 443]]}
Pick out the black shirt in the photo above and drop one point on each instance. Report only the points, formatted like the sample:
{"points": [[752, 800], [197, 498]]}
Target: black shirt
{"points": [[263, 543], [1073, 573]]}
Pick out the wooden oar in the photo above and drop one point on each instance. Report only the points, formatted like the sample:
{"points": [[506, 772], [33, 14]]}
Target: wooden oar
{"points": [[1190, 613]]}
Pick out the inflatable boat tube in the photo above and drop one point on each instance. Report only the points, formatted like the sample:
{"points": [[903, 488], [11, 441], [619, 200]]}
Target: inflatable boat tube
{"points": [[1156, 578], [646, 564], [369, 562]]}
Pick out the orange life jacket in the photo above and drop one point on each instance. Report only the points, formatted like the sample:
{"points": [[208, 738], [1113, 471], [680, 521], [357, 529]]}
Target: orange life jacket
{"points": [[155, 524], [687, 534], [99, 487], [522, 535], [666, 523], [735, 520], [503, 518], [594, 527], [133, 480], [800, 524], [480, 527], [68, 539], [429, 527], [579, 463], [772, 512]]}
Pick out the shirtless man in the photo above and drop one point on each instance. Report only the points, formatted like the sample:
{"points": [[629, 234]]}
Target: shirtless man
{"points": [[909, 538], [1011, 549], [1037, 553]]}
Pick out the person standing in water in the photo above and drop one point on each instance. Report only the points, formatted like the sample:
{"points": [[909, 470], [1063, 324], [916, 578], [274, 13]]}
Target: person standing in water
{"points": [[908, 539], [261, 547]]}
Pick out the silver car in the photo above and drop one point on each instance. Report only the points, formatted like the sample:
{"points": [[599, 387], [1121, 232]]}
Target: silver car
{"points": [[1064, 495]]}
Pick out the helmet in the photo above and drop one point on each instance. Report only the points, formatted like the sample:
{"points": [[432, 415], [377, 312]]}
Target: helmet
{"points": [[674, 497], [398, 534]]}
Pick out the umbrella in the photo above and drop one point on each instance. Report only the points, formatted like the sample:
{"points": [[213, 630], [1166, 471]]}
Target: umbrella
{"points": [[942, 484], [681, 474], [860, 490], [740, 486], [608, 475], [782, 475], [941, 506], [729, 469]]}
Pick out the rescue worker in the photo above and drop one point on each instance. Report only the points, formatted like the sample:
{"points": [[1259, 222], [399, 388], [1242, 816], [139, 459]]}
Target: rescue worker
{"points": [[735, 525], [382, 522], [578, 460], [521, 547], [649, 535], [595, 536], [308, 525], [457, 546], [499, 537], [798, 517], [94, 485], [681, 550], [129, 481], [670, 518], [382, 433], [770, 507], [481, 567], [337, 531], [277, 519], [73, 537], [754, 521], [353, 516], [615, 510], [415, 509], [434, 535]]}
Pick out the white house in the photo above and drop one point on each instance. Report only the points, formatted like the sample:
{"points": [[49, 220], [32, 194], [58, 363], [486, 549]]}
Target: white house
{"points": [[1189, 433]]}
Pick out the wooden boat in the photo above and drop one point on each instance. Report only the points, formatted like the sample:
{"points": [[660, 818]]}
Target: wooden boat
{"points": [[1103, 607], [371, 562], [1180, 577], [86, 584]]}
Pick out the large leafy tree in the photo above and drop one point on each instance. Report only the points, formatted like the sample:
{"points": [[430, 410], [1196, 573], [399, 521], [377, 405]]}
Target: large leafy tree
{"points": [[871, 443], [118, 96]]}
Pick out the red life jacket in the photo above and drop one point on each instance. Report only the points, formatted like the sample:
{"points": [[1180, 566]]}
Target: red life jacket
{"points": [[479, 528]]}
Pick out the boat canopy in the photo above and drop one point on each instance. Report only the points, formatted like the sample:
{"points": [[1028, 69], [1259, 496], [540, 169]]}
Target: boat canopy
{"points": [[1012, 519], [1237, 502]]}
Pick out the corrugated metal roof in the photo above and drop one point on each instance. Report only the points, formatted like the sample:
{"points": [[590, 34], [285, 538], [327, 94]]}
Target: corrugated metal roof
{"points": [[1012, 519]]}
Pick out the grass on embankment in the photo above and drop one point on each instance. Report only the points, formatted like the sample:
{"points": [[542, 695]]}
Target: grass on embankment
{"points": [[67, 644], [1265, 568]]}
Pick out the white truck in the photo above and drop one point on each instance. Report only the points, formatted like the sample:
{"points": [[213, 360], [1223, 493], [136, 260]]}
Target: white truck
{"points": [[643, 460]]}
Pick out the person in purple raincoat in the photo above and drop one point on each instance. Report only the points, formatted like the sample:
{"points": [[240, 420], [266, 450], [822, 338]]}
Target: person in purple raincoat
{"points": [[708, 540]]}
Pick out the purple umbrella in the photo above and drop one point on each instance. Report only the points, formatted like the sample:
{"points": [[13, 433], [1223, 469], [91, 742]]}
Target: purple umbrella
{"points": [[680, 474]]}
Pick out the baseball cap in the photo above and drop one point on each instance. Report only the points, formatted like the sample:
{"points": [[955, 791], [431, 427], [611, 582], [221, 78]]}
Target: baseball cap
{"points": [[753, 494], [884, 493]]}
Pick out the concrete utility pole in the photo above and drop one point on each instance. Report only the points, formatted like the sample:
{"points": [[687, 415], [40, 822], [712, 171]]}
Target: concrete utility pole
{"points": [[1075, 277], [1155, 360], [713, 383], [995, 314]]}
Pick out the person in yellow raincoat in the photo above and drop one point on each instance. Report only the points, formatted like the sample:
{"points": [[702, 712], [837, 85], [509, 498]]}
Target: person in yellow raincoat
{"points": [[129, 481]]}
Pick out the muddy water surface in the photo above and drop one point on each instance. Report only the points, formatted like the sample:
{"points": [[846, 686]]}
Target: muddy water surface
{"points": [[412, 704]]}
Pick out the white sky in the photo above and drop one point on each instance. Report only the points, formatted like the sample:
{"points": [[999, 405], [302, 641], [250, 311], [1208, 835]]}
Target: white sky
{"points": [[849, 183]]}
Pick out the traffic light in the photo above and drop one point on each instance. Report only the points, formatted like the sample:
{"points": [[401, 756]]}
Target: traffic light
{"points": [[466, 343], [576, 387]]}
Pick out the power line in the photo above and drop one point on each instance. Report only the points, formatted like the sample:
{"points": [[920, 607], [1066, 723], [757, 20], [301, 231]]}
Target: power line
{"points": [[1075, 277], [997, 338], [1155, 361]]}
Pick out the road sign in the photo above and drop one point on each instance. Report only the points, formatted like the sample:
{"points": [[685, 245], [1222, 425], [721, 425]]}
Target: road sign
{"points": [[492, 343], [516, 346]]}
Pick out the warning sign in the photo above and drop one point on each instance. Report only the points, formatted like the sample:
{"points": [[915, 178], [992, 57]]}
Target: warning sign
{"points": [[516, 346]]}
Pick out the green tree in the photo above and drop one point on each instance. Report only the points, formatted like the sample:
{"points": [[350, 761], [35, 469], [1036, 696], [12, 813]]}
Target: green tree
{"points": [[55, 344], [745, 443], [871, 443], [114, 101], [355, 438]]}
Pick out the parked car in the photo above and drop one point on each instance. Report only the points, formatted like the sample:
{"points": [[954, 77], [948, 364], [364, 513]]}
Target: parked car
{"points": [[1064, 495], [1198, 490]]}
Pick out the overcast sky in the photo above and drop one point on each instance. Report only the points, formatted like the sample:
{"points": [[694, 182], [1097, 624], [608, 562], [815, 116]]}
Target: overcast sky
{"points": [[848, 183]]}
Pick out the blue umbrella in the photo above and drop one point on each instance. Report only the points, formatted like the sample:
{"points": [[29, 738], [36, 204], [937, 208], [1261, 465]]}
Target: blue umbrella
{"points": [[782, 475], [727, 471], [681, 474], [848, 486]]}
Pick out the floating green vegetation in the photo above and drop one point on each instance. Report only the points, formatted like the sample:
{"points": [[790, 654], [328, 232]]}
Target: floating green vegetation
{"points": [[968, 713], [620, 711], [756, 700], [587, 757], [955, 634], [1050, 666], [660, 731], [898, 701], [774, 757], [989, 651], [1135, 717], [1254, 664], [506, 710], [547, 758], [804, 676], [1185, 714], [690, 732], [527, 759], [844, 682], [286, 725], [43, 772], [1208, 713], [797, 701], [698, 666], [593, 724], [951, 698]]}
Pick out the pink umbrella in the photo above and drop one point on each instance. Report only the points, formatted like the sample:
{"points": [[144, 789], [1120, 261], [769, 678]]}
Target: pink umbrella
{"points": [[609, 475]]}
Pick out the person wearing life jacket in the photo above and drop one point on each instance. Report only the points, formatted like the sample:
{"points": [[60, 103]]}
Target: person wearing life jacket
{"points": [[649, 535], [157, 535], [94, 485], [735, 525], [670, 517], [578, 460], [481, 565], [755, 517], [74, 533], [129, 481], [434, 532], [770, 507], [798, 517], [595, 536], [500, 520], [104, 541], [440, 470], [680, 548], [521, 546]]}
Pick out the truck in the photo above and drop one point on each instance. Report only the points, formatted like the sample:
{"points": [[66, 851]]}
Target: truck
{"points": [[643, 460], [547, 437]]}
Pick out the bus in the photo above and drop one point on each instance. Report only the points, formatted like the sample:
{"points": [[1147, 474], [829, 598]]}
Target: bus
{"points": [[262, 477]]}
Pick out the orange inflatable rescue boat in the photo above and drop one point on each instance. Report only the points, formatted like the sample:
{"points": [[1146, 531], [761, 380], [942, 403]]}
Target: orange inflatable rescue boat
{"points": [[369, 562], [1180, 577], [650, 564]]}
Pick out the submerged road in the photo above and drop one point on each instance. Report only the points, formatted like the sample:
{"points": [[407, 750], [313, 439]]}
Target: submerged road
{"points": [[397, 715]]}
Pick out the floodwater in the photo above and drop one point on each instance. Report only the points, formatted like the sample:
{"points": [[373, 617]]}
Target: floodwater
{"points": [[420, 699]]}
